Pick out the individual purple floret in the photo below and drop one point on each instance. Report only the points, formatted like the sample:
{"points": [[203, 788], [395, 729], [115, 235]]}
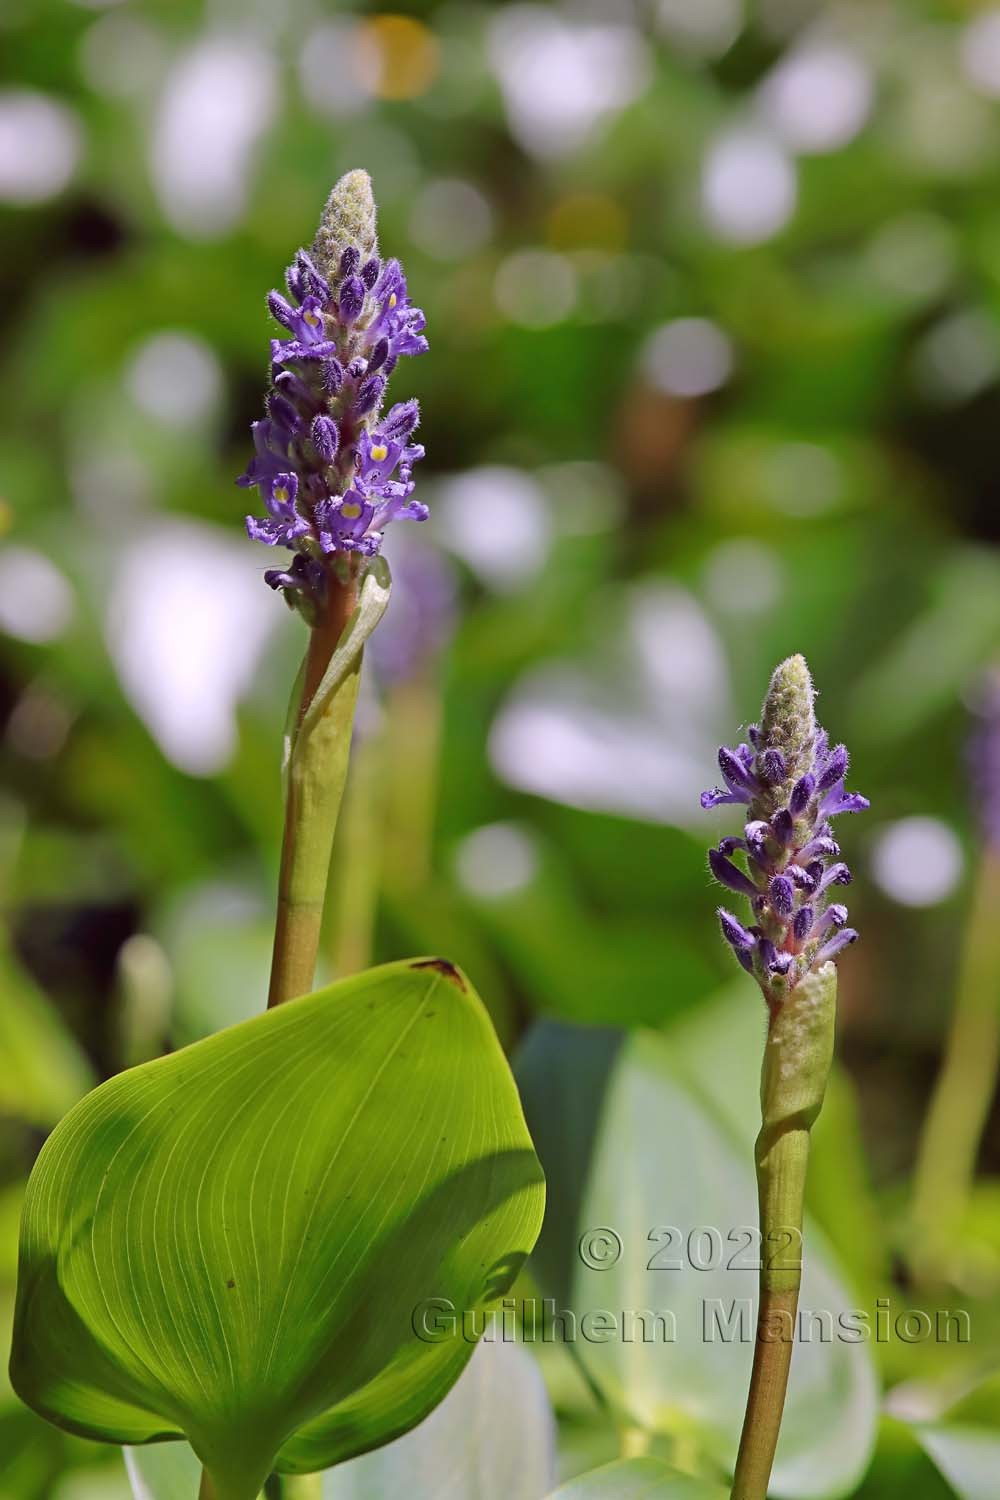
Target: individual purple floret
{"points": [[791, 782], [333, 469]]}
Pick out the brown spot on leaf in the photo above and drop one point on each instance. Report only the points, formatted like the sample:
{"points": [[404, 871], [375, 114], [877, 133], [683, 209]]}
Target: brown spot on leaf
{"points": [[230, 1284], [444, 968]]}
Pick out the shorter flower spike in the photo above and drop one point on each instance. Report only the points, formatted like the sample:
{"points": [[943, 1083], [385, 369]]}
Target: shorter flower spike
{"points": [[792, 783]]}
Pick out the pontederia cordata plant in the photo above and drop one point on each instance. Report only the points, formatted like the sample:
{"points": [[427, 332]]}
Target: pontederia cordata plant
{"points": [[227, 1244], [791, 783], [333, 469]]}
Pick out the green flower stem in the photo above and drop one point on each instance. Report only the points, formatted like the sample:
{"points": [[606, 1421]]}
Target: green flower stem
{"points": [[964, 1092], [356, 869], [317, 770], [797, 1058]]}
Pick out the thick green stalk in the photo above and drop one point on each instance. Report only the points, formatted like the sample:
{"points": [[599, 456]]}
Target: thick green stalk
{"points": [[317, 770], [965, 1087], [356, 872], [797, 1060]]}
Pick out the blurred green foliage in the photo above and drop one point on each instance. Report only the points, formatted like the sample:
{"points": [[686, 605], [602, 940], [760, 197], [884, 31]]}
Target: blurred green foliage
{"points": [[714, 304]]}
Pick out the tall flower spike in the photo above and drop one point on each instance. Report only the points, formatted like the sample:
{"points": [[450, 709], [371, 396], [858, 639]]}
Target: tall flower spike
{"points": [[791, 783], [332, 468]]}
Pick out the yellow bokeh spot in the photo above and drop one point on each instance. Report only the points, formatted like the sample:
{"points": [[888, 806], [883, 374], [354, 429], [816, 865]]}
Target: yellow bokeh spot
{"points": [[350, 510], [587, 221], [400, 56], [379, 451]]}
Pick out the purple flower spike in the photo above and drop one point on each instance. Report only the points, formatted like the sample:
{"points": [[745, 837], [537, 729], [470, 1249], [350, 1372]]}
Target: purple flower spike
{"points": [[792, 783], [727, 874], [330, 478]]}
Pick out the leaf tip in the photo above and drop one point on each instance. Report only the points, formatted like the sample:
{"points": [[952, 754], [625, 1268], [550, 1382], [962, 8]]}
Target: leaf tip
{"points": [[446, 969]]}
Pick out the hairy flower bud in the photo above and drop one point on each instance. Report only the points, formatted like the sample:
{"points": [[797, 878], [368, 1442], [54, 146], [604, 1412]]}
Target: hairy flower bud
{"points": [[347, 223]]}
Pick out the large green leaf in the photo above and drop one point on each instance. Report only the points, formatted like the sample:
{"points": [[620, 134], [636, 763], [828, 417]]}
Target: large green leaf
{"points": [[230, 1243], [638, 1479], [632, 1145], [491, 1438]]}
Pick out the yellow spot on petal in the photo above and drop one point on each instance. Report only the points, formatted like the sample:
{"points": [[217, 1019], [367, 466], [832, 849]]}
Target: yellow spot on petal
{"points": [[393, 300], [281, 494], [312, 319], [350, 510], [379, 451]]}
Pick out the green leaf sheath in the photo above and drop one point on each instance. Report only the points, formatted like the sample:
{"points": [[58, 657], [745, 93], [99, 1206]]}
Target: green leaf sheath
{"points": [[318, 745], [229, 1243], [797, 1059]]}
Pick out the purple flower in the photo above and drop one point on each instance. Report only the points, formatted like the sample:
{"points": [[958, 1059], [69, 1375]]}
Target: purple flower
{"points": [[285, 525], [332, 474], [792, 784]]}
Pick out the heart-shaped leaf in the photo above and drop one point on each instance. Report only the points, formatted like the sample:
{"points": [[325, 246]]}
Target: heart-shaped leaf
{"points": [[231, 1243], [638, 1479]]}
